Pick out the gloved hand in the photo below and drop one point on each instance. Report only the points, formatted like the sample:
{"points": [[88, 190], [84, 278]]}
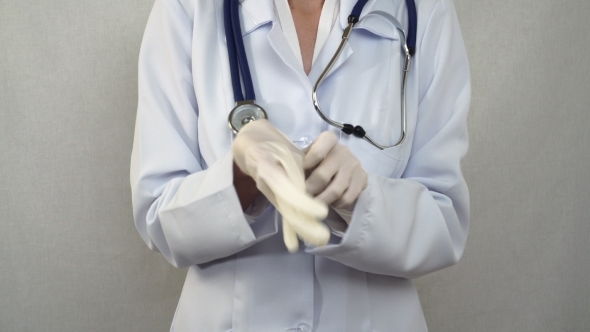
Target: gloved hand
{"points": [[337, 177], [270, 158]]}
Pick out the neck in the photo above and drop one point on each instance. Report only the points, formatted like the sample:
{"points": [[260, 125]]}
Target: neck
{"points": [[306, 16], [306, 6]]}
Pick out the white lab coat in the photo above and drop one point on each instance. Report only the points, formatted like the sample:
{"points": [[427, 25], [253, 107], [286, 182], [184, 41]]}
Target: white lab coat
{"points": [[411, 220]]}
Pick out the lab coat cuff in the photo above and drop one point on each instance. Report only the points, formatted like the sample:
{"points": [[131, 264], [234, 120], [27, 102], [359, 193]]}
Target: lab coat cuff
{"points": [[257, 211], [336, 224], [257, 208], [357, 230], [224, 173], [225, 229], [346, 215]]}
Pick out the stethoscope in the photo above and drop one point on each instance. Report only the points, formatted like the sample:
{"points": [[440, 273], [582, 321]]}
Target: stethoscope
{"points": [[246, 109]]}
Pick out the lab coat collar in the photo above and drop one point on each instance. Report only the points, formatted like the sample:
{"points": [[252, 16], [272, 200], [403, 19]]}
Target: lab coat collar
{"points": [[256, 13], [326, 54], [259, 12], [346, 8], [375, 24]]}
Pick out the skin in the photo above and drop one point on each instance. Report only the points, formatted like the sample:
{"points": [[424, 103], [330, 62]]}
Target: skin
{"points": [[306, 16]]}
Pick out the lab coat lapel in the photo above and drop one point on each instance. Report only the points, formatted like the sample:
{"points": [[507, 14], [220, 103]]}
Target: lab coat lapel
{"points": [[331, 45], [345, 9], [281, 46], [256, 13], [333, 42], [327, 52], [372, 5], [377, 24], [374, 24]]}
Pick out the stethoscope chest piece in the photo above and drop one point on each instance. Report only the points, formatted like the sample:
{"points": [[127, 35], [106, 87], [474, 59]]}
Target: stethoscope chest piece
{"points": [[244, 113]]}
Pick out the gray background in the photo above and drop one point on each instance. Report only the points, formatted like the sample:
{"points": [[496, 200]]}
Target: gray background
{"points": [[71, 259]]}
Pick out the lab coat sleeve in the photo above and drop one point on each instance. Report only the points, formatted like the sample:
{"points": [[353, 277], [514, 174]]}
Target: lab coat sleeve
{"points": [[189, 214], [418, 224]]}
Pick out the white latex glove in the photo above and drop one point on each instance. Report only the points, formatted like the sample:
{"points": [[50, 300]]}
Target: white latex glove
{"points": [[270, 158], [337, 177]]}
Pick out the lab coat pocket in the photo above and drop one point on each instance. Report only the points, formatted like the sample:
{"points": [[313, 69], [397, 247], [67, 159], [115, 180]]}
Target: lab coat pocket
{"points": [[374, 103], [380, 110], [381, 162]]}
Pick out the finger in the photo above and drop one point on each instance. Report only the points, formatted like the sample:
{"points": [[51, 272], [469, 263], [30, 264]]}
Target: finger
{"points": [[320, 149], [281, 187], [336, 160], [285, 179], [309, 229], [278, 156], [358, 183], [323, 174], [301, 213], [290, 237], [274, 168], [271, 173], [320, 177], [337, 187]]}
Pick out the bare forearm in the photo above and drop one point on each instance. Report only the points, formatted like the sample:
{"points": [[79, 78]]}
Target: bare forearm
{"points": [[245, 188]]}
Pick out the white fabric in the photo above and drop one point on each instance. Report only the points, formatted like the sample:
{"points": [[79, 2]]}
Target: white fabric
{"points": [[412, 219], [285, 19], [327, 20], [276, 165]]}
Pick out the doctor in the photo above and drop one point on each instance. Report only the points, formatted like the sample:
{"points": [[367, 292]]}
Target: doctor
{"points": [[395, 214]]}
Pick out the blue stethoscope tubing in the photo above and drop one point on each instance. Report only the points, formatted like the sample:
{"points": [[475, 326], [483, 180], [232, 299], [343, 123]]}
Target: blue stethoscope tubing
{"points": [[238, 61], [247, 110]]}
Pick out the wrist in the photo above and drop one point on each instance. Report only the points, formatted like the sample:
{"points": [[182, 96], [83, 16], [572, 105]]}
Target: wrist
{"points": [[345, 212], [245, 187]]}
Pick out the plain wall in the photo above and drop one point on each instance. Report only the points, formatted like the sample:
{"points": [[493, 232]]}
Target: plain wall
{"points": [[71, 259]]}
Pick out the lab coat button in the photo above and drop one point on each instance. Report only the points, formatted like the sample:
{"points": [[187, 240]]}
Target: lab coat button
{"points": [[304, 141], [304, 327]]}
